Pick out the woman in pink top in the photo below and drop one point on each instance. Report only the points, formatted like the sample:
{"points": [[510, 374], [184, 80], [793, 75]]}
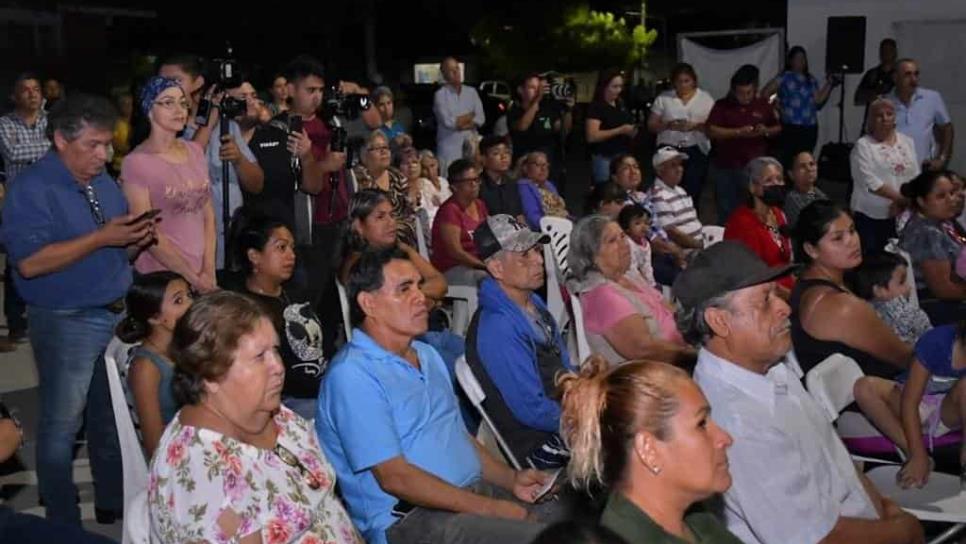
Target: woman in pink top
{"points": [[170, 174], [624, 319], [454, 252]]}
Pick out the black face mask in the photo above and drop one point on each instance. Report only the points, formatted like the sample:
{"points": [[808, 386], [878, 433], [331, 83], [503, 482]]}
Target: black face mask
{"points": [[774, 195]]}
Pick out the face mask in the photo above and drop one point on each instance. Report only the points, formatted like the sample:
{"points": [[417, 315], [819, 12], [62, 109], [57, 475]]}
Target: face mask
{"points": [[774, 195]]}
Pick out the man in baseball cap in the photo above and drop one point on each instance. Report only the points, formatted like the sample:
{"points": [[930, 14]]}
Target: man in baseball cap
{"points": [[792, 478], [514, 346], [674, 209]]}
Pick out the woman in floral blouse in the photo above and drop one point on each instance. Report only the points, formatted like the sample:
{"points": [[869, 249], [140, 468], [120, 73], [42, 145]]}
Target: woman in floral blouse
{"points": [[234, 465], [375, 172]]}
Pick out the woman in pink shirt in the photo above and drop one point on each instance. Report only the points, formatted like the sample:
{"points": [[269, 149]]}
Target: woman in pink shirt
{"points": [[624, 319], [170, 174]]}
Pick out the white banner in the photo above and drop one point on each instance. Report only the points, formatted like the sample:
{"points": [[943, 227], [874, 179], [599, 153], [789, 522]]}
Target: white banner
{"points": [[716, 66]]}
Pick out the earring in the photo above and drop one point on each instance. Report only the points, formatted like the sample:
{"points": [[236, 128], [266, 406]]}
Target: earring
{"points": [[655, 470]]}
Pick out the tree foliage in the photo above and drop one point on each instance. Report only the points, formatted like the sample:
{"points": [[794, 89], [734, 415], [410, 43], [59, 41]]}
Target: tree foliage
{"points": [[571, 38]]}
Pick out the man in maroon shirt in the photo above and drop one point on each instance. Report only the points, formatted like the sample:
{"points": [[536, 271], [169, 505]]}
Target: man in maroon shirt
{"points": [[740, 125]]}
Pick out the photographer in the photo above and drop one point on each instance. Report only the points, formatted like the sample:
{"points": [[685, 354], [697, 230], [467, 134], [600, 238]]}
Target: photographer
{"points": [[540, 120]]}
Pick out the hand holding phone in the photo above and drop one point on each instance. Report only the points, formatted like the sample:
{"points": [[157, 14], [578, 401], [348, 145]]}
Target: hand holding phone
{"points": [[549, 486]]}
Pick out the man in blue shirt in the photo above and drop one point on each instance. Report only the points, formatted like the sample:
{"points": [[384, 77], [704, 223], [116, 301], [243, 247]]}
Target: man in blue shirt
{"points": [[514, 346], [70, 238], [389, 423], [921, 115]]}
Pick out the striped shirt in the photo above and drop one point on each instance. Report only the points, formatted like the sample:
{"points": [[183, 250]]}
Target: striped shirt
{"points": [[22, 145], [674, 208]]}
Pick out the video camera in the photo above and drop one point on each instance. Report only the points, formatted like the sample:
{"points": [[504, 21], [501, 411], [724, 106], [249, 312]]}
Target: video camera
{"points": [[561, 88], [229, 77], [347, 106]]}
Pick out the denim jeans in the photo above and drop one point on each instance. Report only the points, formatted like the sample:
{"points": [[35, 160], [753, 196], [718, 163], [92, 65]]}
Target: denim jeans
{"points": [[28, 529], [13, 306], [730, 186], [600, 168], [69, 350]]}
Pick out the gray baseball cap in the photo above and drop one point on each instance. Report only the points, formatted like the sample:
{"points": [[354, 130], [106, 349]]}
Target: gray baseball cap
{"points": [[724, 267], [504, 232]]}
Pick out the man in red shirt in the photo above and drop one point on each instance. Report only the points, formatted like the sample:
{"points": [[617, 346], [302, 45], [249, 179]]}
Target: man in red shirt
{"points": [[740, 125]]}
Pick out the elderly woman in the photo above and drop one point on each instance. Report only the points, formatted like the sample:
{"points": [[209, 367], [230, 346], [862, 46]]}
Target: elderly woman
{"points": [[624, 319], [433, 188], [760, 222], [454, 251], [678, 118], [935, 240], [538, 194], [234, 464], [170, 174], [644, 431], [827, 318], [803, 174], [385, 104], [376, 172], [882, 161]]}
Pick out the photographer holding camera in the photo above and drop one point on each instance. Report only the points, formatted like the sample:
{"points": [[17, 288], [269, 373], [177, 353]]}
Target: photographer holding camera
{"points": [[542, 118]]}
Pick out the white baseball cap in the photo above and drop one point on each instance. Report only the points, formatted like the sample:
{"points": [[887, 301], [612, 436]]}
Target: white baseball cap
{"points": [[665, 154]]}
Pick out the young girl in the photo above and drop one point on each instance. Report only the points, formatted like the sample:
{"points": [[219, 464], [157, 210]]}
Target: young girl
{"points": [[635, 221], [940, 352], [155, 302]]}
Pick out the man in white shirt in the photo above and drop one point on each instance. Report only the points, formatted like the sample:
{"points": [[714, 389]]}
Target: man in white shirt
{"points": [[793, 480], [674, 209], [459, 113]]}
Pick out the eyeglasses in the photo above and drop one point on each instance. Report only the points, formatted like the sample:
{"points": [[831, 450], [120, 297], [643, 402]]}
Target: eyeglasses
{"points": [[292, 460], [171, 103], [95, 205], [379, 148]]}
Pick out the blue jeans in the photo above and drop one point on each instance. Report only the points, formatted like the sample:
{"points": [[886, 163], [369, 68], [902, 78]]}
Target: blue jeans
{"points": [[730, 186], [27, 529], [69, 350], [600, 168]]}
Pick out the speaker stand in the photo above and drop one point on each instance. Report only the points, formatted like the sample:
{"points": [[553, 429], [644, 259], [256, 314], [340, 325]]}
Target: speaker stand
{"points": [[842, 107]]}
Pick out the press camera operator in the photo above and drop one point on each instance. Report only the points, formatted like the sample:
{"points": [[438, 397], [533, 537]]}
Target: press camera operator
{"points": [[542, 117]]}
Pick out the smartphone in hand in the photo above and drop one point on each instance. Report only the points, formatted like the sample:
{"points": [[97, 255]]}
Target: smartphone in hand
{"points": [[150, 214], [549, 486], [295, 124]]}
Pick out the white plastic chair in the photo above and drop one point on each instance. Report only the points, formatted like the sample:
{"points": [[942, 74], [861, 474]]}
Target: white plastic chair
{"points": [[421, 246], [940, 500], [583, 346], [134, 466], [892, 246], [555, 263], [474, 391], [712, 234], [344, 302], [465, 300], [831, 383], [137, 520]]}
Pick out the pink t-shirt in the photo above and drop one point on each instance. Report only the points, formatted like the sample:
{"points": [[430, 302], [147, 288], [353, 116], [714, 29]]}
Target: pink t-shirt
{"points": [[181, 192], [450, 213], [604, 307]]}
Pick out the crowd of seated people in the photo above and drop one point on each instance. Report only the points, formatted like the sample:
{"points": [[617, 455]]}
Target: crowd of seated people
{"points": [[262, 418]]}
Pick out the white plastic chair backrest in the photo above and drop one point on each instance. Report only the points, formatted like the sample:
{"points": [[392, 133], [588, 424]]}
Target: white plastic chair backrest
{"points": [[134, 466], [421, 246], [474, 392], [555, 302], [583, 346], [893, 246], [344, 302], [712, 234], [830, 383], [559, 230], [137, 520]]}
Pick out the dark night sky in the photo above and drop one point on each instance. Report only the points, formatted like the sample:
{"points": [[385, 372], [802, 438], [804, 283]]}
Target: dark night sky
{"points": [[407, 30]]}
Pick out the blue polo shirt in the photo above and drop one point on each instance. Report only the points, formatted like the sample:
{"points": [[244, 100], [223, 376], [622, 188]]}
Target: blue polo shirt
{"points": [[373, 406], [44, 205], [926, 109]]}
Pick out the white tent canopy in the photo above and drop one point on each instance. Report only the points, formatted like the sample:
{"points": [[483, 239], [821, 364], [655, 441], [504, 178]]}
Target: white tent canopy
{"points": [[716, 66]]}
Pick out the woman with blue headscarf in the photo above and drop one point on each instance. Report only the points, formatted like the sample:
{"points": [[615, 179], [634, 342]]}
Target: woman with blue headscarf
{"points": [[170, 174]]}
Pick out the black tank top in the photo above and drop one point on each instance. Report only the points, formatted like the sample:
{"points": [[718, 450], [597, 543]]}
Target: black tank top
{"points": [[812, 351]]}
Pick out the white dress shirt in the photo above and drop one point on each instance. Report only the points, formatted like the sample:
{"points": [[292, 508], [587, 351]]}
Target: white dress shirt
{"points": [[792, 477], [447, 106], [671, 108]]}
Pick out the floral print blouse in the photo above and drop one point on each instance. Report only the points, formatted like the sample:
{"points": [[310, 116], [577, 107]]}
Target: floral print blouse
{"points": [[197, 474]]}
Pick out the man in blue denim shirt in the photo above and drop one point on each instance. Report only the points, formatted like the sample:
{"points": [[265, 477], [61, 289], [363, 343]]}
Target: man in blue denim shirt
{"points": [[69, 235]]}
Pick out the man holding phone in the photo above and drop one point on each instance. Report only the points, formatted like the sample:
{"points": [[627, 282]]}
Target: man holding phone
{"points": [[71, 239]]}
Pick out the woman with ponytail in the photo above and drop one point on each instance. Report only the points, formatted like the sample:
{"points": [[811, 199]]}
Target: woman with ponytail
{"points": [[643, 432], [155, 302]]}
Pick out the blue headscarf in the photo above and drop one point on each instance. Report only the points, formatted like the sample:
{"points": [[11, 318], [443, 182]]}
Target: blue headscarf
{"points": [[154, 86]]}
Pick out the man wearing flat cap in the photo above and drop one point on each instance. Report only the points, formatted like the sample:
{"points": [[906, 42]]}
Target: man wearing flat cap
{"points": [[793, 479]]}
